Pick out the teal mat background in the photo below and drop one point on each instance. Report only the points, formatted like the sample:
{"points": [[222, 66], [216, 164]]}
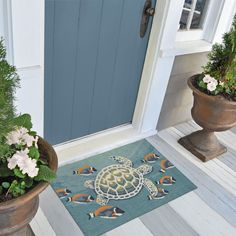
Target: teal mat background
{"points": [[133, 207]]}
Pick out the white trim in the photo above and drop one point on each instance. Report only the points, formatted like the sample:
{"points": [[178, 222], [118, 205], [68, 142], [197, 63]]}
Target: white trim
{"points": [[184, 35], [6, 17], [190, 15], [190, 47], [98, 143], [146, 113]]}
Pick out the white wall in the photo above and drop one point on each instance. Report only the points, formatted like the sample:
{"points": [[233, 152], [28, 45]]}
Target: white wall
{"points": [[26, 26], [178, 100]]}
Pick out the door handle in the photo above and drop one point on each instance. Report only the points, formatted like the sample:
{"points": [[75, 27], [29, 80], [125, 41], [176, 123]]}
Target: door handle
{"points": [[148, 11]]}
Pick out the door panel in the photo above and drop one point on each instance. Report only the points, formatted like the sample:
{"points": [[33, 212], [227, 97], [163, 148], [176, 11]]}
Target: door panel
{"points": [[93, 64]]}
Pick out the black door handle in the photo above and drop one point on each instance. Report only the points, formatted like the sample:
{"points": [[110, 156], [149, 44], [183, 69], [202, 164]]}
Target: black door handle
{"points": [[148, 11]]}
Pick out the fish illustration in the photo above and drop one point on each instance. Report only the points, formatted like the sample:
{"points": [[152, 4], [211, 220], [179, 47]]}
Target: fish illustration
{"points": [[81, 198], [166, 180], [107, 212], [85, 170], [62, 192], [165, 164], [161, 194], [150, 158]]}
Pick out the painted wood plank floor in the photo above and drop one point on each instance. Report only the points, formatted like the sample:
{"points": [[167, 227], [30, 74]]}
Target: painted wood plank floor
{"points": [[209, 210]]}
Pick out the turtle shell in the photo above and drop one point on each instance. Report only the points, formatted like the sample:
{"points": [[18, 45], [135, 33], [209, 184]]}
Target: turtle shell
{"points": [[118, 182]]}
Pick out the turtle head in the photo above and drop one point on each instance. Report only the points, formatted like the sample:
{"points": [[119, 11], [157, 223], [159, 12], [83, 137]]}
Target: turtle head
{"points": [[145, 169]]}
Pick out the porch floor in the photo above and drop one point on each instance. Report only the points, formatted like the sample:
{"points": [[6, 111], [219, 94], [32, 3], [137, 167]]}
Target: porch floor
{"points": [[209, 210]]}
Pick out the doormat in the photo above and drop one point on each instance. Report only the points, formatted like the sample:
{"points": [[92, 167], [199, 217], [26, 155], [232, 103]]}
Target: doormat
{"points": [[112, 188]]}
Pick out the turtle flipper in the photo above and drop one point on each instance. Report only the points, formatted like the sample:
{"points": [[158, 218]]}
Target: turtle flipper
{"points": [[145, 169], [123, 160], [150, 186], [101, 200], [155, 193], [89, 184]]}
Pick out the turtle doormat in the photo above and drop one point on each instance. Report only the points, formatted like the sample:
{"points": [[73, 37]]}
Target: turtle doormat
{"points": [[112, 188]]}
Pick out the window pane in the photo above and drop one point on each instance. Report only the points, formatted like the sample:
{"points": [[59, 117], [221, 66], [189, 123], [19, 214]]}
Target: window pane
{"points": [[198, 15], [185, 13], [193, 14]]}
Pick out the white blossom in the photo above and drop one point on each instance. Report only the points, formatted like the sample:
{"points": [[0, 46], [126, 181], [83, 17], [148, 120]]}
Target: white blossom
{"points": [[28, 166], [24, 162], [12, 162], [28, 139], [21, 136], [207, 79], [212, 86]]}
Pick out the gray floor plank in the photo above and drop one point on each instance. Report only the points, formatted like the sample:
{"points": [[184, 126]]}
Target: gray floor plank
{"points": [[165, 221], [57, 215], [208, 190]]}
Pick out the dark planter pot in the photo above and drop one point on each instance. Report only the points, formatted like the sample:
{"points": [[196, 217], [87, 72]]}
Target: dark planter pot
{"points": [[212, 113], [16, 214]]}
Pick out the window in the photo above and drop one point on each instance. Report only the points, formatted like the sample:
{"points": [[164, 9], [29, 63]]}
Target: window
{"points": [[193, 14], [195, 18]]}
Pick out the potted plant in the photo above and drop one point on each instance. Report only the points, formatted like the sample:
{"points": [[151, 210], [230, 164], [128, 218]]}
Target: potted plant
{"points": [[27, 162], [214, 92]]}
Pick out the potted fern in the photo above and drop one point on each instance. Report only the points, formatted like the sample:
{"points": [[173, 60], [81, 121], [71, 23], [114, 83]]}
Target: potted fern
{"points": [[27, 162], [214, 93]]}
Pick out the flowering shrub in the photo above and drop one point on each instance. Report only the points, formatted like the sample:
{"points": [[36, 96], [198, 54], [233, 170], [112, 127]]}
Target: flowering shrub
{"points": [[219, 75], [21, 163]]}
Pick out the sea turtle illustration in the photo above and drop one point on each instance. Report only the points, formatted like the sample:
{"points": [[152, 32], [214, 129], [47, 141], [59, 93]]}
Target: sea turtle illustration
{"points": [[122, 181]]}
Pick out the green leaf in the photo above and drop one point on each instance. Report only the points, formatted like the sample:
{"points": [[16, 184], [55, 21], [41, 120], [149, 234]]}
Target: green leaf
{"points": [[5, 172], [34, 153], [32, 133], [45, 174], [5, 185], [1, 190], [23, 120], [18, 173], [28, 182]]}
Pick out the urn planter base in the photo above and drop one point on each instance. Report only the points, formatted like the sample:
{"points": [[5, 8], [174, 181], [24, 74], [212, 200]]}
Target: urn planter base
{"points": [[203, 144]]}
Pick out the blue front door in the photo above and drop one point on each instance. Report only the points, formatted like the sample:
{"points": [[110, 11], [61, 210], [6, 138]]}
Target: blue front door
{"points": [[94, 57]]}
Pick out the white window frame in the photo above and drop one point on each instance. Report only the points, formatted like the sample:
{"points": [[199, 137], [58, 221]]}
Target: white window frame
{"points": [[212, 15]]}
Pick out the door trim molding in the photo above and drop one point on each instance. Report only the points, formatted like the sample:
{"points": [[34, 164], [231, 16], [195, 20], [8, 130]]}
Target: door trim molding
{"points": [[97, 143], [147, 109]]}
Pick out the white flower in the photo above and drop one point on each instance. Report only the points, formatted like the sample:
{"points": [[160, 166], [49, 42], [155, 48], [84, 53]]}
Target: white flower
{"points": [[16, 158], [36, 141], [28, 139], [12, 162], [24, 162], [212, 86], [28, 166], [15, 136], [207, 79], [33, 172], [21, 136]]}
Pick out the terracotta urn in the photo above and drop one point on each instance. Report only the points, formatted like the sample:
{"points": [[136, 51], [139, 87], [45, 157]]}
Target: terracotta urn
{"points": [[213, 114], [16, 214]]}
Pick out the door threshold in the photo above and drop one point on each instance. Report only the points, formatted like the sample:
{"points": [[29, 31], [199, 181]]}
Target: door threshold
{"points": [[99, 142]]}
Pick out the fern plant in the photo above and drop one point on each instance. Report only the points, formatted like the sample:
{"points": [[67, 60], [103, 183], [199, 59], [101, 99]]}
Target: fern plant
{"points": [[219, 74], [21, 165]]}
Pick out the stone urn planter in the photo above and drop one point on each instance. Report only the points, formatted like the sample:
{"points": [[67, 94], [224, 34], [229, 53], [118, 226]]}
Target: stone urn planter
{"points": [[16, 214], [213, 114]]}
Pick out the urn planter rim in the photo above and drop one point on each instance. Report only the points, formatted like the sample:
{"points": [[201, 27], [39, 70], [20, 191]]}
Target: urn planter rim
{"points": [[34, 192], [216, 98]]}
